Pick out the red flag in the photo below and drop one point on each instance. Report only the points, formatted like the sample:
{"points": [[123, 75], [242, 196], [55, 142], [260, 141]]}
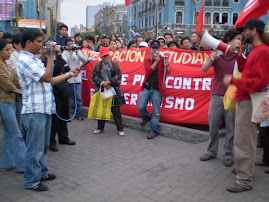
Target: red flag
{"points": [[200, 20], [253, 9], [127, 2]]}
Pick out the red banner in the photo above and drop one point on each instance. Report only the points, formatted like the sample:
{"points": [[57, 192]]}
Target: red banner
{"points": [[253, 9], [188, 89]]}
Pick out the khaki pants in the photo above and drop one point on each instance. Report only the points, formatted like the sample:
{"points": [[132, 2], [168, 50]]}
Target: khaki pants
{"points": [[245, 143]]}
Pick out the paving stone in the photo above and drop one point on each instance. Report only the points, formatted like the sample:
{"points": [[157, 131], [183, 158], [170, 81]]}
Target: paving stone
{"points": [[107, 167]]}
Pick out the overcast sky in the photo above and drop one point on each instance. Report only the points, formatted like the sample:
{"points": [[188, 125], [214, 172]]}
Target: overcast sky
{"points": [[73, 12]]}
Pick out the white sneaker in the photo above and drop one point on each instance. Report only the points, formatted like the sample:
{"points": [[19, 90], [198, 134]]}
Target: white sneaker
{"points": [[121, 133], [97, 131]]}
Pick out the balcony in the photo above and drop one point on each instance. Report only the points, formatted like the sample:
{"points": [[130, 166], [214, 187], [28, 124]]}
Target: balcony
{"points": [[179, 3]]}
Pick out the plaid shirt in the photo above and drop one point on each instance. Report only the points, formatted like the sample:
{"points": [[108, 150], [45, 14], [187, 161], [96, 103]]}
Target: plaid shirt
{"points": [[37, 96]]}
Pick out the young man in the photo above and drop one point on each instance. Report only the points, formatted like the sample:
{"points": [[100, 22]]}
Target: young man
{"points": [[254, 78], [223, 64], [62, 35], [153, 88], [108, 73], [195, 40], [12, 61], [78, 38], [73, 59], [38, 105]]}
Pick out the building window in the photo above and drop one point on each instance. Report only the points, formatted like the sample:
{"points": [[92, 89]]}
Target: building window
{"points": [[236, 1], [21, 10], [224, 18], [207, 18], [179, 17], [216, 19], [235, 16], [153, 21], [216, 2], [120, 16], [208, 3], [160, 17], [149, 21]]}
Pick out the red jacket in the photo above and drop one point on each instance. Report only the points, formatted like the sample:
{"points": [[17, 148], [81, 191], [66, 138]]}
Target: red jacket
{"points": [[161, 73], [255, 68]]}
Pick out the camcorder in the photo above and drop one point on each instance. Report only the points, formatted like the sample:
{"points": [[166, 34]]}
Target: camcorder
{"points": [[73, 48]]}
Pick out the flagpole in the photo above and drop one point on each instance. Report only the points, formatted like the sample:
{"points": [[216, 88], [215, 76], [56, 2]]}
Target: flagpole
{"points": [[40, 15], [157, 19], [56, 17], [195, 15], [17, 16]]}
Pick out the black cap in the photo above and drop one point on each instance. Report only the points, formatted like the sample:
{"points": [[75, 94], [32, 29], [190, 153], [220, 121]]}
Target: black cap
{"points": [[253, 23], [155, 44], [104, 36]]}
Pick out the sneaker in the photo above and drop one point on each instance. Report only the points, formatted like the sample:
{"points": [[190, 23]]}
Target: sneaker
{"points": [[227, 162], [53, 148], [206, 157], [235, 188], [97, 131], [151, 136], [143, 122], [80, 118], [39, 187], [234, 171], [48, 177], [121, 133]]}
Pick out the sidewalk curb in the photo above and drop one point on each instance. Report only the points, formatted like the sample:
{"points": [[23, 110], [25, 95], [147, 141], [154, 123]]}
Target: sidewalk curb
{"points": [[167, 130]]}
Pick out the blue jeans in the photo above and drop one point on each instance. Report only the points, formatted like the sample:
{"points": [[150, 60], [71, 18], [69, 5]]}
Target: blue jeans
{"points": [[13, 148], [37, 129], [156, 99], [78, 97]]}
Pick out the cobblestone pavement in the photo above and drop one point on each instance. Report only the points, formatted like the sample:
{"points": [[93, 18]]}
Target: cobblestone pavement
{"points": [[107, 167]]}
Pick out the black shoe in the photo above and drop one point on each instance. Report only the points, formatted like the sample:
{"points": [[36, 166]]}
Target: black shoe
{"points": [[80, 118], [68, 142], [39, 187], [53, 148], [48, 177]]}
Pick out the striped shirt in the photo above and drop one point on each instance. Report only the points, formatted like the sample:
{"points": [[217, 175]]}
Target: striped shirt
{"points": [[37, 96]]}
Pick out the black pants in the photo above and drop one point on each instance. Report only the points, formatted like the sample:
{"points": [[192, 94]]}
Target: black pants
{"points": [[265, 131], [59, 126], [117, 118]]}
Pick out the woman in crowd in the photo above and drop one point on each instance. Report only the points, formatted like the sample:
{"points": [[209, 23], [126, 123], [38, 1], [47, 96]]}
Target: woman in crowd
{"points": [[119, 45], [112, 45], [13, 148], [84, 43], [132, 45]]}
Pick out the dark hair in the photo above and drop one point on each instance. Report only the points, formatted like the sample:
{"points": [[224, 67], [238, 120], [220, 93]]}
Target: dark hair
{"points": [[100, 46], [30, 35], [77, 34], [16, 38], [90, 38], [131, 43], [7, 35], [172, 42], [140, 37], [63, 25], [168, 34], [148, 39], [3, 43], [67, 40], [197, 33], [111, 41], [230, 34], [184, 38], [44, 31]]}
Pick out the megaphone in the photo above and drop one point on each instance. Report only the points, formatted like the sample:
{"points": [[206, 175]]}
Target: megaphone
{"points": [[208, 40]]}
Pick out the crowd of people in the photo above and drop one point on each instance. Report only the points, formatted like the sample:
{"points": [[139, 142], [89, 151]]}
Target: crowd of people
{"points": [[32, 91]]}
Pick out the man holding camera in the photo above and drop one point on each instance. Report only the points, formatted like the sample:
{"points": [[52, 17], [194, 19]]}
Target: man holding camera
{"points": [[156, 68], [73, 58]]}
